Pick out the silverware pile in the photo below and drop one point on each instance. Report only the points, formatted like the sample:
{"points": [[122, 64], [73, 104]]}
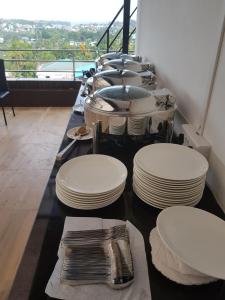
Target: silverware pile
{"points": [[98, 256]]}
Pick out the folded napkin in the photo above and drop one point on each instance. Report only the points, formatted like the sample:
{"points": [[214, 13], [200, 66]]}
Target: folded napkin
{"points": [[138, 290]]}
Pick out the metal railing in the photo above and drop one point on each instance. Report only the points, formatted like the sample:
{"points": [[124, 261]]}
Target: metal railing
{"points": [[70, 55], [107, 31]]}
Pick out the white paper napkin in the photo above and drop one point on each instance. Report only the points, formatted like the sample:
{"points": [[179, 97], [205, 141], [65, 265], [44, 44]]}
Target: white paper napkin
{"points": [[138, 290]]}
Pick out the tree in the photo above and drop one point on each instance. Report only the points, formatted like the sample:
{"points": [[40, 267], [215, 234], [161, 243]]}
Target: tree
{"points": [[19, 59]]}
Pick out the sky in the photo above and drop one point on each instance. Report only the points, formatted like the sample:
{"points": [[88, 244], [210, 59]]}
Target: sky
{"points": [[76, 11]]}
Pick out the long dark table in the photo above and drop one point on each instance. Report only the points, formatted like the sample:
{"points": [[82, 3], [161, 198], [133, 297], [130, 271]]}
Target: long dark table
{"points": [[40, 254]]}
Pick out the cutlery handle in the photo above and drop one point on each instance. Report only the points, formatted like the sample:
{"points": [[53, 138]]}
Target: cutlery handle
{"points": [[62, 153]]}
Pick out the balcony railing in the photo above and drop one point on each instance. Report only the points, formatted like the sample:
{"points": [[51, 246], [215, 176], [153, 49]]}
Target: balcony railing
{"points": [[125, 29], [30, 62]]}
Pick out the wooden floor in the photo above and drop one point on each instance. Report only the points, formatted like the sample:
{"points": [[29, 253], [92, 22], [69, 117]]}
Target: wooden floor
{"points": [[28, 147]]}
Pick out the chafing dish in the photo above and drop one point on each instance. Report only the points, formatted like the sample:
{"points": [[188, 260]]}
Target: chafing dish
{"points": [[115, 55], [121, 77], [127, 64], [124, 110]]}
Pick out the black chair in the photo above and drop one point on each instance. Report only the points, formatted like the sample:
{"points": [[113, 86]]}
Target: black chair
{"points": [[4, 90]]}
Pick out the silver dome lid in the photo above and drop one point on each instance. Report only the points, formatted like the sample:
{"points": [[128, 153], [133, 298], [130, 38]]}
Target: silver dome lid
{"points": [[122, 100], [123, 64], [118, 77], [116, 74], [111, 55]]}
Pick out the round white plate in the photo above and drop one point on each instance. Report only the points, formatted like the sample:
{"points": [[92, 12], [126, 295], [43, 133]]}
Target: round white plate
{"points": [[167, 181], [88, 202], [167, 197], [169, 188], [89, 198], [90, 195], [85, 206], [170, 265], [163, 190], [168, 201], [196, 237], [171, 161], [71, 134], [161, 204], [92, 174], [117, 121]]}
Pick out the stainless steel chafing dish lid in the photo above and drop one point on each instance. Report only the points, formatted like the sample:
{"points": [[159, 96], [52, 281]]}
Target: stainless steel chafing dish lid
{"points": [[113, 74], [106, 57], [117, 77], [107, 74], [116, 55], [111, 55], [123, 64], [131, 57], [123, 100]]}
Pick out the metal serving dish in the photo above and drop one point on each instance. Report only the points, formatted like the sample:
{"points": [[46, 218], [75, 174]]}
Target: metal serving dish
{"points": [[121, 77], [129, 111], [127, 64], [122, 100], [115, 55], [118, 101]]}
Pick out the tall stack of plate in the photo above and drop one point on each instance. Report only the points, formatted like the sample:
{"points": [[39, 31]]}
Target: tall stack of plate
{"points": [[169, 174], [117, 125], [188, 245], [136, 125], [91, 181]]}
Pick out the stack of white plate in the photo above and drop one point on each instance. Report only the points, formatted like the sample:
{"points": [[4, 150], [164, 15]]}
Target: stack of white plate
{"points": [[117, 125], [188, 245], [91, 181], [168, 174], [137, 125]]}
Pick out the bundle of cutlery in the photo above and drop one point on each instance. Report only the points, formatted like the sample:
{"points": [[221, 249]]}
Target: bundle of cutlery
{"points": [[98, 256]]}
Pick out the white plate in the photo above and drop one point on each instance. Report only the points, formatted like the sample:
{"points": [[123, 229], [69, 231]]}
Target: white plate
{"points": [[176, 193], [170, 265], [167, 201], [174, 196], [83, 206], [87, 202], [87, 197], [160, 204], [168, 198], [71, 134], [92, 174], [167, 181], [117, 122], [196, 237], [154, 204], [171, 162]]}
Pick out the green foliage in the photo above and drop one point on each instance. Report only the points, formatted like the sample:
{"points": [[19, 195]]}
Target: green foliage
{"points": [[45, 37], [21, 55]]}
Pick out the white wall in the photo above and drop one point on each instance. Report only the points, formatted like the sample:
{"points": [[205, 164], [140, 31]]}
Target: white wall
{"points": [[215, 132], [181, 38]]}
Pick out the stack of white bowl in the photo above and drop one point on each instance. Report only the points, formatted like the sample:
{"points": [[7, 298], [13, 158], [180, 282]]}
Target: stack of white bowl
{"points": [[169, 174], [117, 125], [137, 125], [188, 245], [91, 181]]}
